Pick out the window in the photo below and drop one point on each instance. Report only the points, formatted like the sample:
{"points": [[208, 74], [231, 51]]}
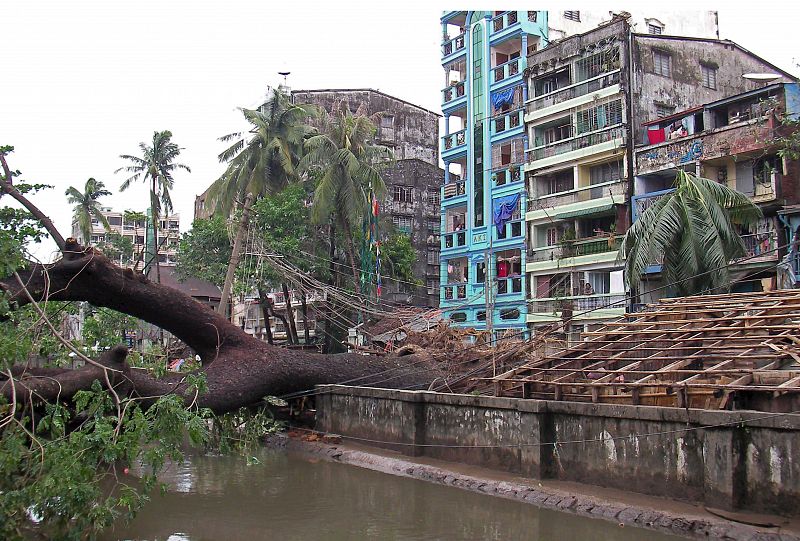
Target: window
{"points": [[573, 16], [605, 172], [458, 317], [553, 236], [434, 226], [433, 256], [654, 29], [115, 220], [662, 63], [599, 117], [480, 316], [403, 194], [664, 110], [433, 286], [532, 16], [480, 272], [403, 223], [509, 313], [709, 76], [387, 121], [434, 197]]}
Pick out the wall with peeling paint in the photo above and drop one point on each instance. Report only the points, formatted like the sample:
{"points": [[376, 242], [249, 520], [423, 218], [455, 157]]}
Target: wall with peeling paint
{"points": [[703, 456]]}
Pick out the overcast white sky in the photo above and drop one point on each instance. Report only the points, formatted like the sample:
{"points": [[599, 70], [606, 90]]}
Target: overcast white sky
{"points": [[86, 81]]}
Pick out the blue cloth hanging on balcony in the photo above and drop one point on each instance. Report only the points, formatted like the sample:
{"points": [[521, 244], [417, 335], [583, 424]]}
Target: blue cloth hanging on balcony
{"points": [[503, 97], [503, 210]]}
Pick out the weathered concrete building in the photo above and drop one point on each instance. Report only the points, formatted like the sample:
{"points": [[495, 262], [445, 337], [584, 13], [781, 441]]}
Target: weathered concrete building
{"points": [[590, 98], [730, 141], [412, 184]]}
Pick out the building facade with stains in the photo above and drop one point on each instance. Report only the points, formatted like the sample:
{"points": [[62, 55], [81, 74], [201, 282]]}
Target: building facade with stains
{"points": [[591, 98], [729, 141]]}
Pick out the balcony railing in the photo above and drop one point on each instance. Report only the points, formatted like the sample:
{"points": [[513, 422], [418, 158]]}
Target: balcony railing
{"points": [[643, 202], [506, 174], [578, 304], [511, 284], [764, 190], [455, 139], [507, 121], [604, 80], [453, 91], [504, 20], [454, 189], [454, 239], [574, 248], [576, 143], [512, 230], [455, 291], [614, 188], [453, 45], [760, 247], [504, 71]]}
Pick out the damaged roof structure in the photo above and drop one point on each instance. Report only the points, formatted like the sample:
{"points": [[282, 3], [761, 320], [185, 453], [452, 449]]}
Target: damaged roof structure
{"points": [[731, 351]]}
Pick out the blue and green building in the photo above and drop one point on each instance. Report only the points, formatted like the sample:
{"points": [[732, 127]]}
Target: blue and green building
{"points": [[483, 145]]}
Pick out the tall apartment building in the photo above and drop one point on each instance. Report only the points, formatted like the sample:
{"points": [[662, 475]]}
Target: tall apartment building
{"points": [[540, 126], [139, 233], [592, 98], [412, 199]]}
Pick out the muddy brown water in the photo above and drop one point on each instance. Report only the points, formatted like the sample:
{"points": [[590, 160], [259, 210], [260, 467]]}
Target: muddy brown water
{"points": [[290, 497]]}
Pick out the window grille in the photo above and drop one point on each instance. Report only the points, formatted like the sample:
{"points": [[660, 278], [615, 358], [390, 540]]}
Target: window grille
{"points": [[434, 197], [403, 223], [662, 63], [592, 66], [663, 110], [403, 194], [573, 16], [599, 117], [433, 256], [654, 29], [709, 76], [433, 286], [532, 16], [605, 172]]}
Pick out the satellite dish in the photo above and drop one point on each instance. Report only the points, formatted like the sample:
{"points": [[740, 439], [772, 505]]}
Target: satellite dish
{"points": [[761, 77]]}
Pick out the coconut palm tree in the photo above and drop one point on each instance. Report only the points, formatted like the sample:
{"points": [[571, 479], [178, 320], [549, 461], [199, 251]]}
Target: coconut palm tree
{"points": [[156, 163], [260, 161], [347, 164], [87, 206], [694, 228], [137, 219]]}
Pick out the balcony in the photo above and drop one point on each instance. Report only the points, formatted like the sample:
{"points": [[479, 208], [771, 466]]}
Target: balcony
{"points": [[454, 239], [455, 291], [454, 141], [578, 304], [453, 92], [453, 46], [507, 122], [576, 90], [613, 188], [512, 284], [760, 247], [454, 189], [575, 248], [643, 202], [506, 174], [576, 143], [506, 71]]}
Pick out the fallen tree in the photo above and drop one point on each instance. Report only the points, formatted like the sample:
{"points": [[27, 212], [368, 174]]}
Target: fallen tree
{"points": [[239, 369]]}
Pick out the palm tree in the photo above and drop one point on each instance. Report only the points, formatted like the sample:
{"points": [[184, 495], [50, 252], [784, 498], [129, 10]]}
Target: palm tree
{"points": [[87, 206], [136, 218], [347, 164], [260, 161], [156, 163], [694, 228]]}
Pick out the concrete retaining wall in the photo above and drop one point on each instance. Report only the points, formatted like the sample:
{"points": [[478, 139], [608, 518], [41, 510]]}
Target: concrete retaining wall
{"points": [[720, 458]]}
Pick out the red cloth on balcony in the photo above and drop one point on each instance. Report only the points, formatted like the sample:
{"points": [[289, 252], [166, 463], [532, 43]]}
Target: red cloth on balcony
{"points": [[656, 136], [503, 268]]}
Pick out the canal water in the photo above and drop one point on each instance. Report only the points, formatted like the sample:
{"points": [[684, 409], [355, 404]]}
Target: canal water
{"points": [[288, 497]]}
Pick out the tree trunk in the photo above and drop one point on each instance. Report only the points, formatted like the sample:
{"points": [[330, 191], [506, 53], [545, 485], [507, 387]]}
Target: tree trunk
{"points": [[236, 255], [290, 314], [305, 316], [155, 217], [239, 368], [351, 254], [328, 343], [263, 301]]}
